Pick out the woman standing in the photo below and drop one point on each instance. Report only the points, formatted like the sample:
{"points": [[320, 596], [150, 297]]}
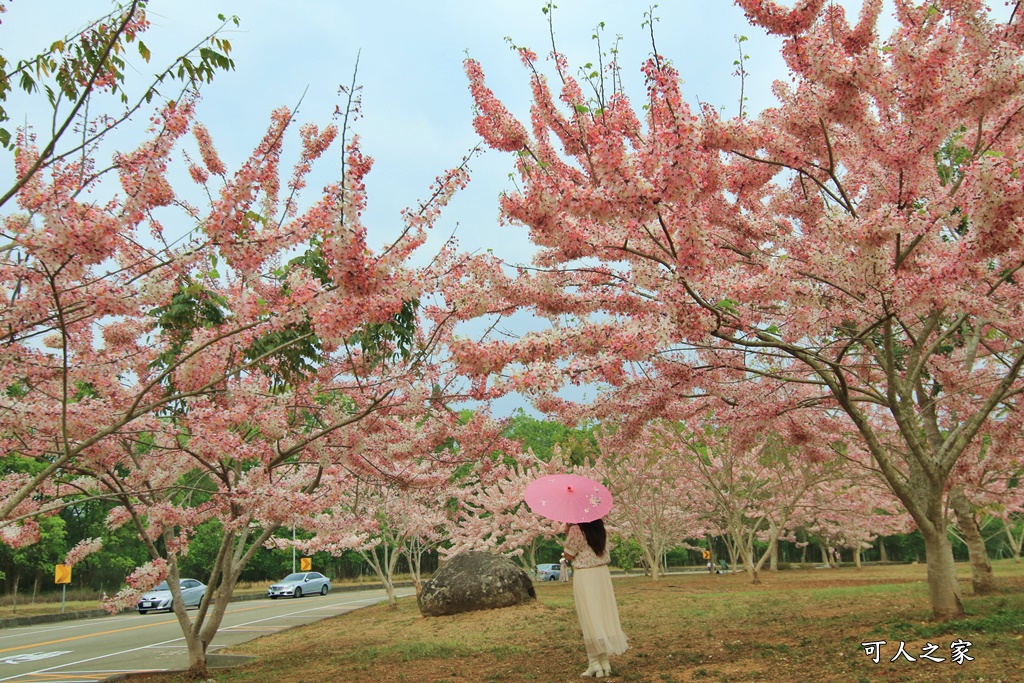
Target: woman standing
{"points": [[587, 548]]}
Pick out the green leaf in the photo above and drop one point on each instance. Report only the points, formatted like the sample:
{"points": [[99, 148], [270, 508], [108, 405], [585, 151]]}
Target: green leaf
{"points": [[144, 51], [727, 305], [582, 109], [27, 83]]}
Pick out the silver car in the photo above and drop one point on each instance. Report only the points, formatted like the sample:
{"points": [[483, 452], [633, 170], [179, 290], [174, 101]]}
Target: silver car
{"points": [[160, 598], [548, 572], [297, 585]]}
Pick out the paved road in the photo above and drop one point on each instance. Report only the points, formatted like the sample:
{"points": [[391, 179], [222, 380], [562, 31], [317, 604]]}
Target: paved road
{"points": [[93, 649]]}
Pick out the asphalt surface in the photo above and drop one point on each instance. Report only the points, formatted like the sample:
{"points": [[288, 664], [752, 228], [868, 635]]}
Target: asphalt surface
{"points": [[90, 650]]}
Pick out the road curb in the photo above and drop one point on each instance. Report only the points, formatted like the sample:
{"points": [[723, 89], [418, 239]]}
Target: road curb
{"points": [[13, 622]]}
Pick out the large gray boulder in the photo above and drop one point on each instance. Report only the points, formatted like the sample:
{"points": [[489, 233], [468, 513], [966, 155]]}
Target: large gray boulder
{"points": [[475, 580]]}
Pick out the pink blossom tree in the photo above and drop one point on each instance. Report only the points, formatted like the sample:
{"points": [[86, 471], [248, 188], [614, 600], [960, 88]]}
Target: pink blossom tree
{"points": [[155, 364], [67, 256], [827, 242], [493, 515], [657, 503], [755, 489], [852, 512], [397, 495]]}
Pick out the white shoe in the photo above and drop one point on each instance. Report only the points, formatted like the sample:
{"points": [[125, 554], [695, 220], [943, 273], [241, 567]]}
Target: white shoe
{"points": [[594, 670], [606, 668]]}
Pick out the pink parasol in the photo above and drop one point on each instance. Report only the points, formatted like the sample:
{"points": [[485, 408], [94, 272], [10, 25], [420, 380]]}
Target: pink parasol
{"points": [[568, 498]]}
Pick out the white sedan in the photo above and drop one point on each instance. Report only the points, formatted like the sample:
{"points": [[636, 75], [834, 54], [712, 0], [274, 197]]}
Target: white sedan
{"points": [[297, 585], [159, 598]]}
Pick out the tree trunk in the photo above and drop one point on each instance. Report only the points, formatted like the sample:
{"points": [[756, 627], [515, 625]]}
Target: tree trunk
{"points": [[1015, 541], [734, 560], [389, 588], [769, 552], [981, 569], [826, 556], [196, 659], [747, 554], [234, 554], [755, 574], [942, 584], [882, 557], [384, 568], [653, 561], [14, 593], [415, 570]]}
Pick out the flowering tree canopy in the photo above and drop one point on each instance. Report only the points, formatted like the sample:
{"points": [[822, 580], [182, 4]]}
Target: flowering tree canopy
{"points": [[860, 241]]}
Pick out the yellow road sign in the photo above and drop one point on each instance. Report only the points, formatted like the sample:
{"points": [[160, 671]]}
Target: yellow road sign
{"points": [[62, 573], [306, 564]]}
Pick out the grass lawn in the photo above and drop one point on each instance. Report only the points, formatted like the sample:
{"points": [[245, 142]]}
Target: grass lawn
{"points": [[796, 626]]}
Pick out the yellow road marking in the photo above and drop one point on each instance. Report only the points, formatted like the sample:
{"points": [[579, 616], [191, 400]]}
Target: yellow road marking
{"points": [[84, 678], [91, 635], [105, 633], [42, 678]]}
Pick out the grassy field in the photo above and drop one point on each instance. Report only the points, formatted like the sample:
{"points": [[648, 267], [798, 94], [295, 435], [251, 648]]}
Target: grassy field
{"points": [[798, 625]]}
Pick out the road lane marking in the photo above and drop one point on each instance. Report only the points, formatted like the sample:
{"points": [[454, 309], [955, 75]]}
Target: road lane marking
{"points": [[77, 624], [80, 678], [39, 672], [34, 657], [118, 630], [373, 600], [93, 659], [90, 635]]}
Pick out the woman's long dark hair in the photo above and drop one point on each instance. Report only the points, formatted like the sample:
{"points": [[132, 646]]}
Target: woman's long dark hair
{"points": [[595, 535]]}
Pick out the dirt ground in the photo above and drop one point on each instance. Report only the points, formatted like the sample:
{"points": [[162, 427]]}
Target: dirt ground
{"points": [[796, 625]]}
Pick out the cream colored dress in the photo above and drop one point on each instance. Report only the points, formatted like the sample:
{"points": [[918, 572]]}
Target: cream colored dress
{"points": [[595, 598]]}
